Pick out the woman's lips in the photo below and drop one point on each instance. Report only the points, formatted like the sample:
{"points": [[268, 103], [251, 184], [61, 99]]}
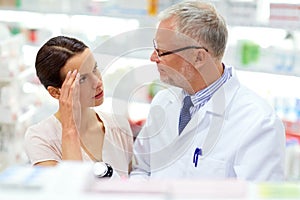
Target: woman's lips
{"points": [[99, 95]]}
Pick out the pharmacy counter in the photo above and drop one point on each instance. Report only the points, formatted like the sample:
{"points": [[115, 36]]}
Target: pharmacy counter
{"points": [[71, 180]]}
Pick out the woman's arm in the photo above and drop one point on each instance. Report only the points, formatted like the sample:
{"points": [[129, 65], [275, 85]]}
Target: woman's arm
{"points": [[70, 116]]}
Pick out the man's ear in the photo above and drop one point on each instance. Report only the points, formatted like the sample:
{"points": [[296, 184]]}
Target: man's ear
{"points": [[54, 92], [200, 56]]}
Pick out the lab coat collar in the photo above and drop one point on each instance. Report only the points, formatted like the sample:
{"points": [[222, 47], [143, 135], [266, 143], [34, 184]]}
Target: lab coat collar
{"points": [[223, 96], [216, 106], [219, 101]]}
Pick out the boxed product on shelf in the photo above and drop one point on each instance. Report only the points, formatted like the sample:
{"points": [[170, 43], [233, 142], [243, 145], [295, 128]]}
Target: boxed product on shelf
{"points": [[9, 3]]}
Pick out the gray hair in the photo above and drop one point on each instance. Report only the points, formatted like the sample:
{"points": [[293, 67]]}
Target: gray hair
{"points": [[200, 21]]}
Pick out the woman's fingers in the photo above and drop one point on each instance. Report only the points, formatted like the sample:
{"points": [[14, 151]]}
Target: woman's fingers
{"points": [[69, 101], [68, 84], [75, 86], [75, 94]]}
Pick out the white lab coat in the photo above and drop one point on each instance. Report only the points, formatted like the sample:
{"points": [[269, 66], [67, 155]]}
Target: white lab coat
{"points": [[239, 134]]}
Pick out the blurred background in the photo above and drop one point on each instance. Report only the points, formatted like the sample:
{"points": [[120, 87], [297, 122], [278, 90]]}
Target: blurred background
{"points": [[264, 46]]}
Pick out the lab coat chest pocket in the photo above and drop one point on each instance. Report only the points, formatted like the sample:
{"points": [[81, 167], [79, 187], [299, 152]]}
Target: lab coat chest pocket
{"points": [[208, 168]]}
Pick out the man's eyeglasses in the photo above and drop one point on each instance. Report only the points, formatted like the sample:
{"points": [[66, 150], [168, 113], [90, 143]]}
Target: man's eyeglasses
{"points": [[160, 54]]}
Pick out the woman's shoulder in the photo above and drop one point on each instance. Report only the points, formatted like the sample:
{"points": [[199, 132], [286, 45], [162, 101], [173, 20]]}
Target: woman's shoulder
{"points": [[49, 121], [48, 124]]}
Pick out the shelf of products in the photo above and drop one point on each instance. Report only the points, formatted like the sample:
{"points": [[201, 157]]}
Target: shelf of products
{"points": [[16, 104], [254, 26]]}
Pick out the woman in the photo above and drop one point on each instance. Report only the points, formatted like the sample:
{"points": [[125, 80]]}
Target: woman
{"points": [[68, 70]]}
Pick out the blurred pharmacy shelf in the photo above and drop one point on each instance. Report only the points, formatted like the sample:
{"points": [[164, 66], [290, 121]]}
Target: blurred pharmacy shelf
{"points": [[25, 182]]}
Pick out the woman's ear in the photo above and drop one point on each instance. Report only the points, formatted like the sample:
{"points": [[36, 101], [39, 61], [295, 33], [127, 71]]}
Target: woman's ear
{"points": [[54, 92]]}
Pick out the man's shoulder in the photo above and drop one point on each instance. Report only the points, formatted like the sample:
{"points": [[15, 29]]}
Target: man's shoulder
{"points": [[249, 97]]}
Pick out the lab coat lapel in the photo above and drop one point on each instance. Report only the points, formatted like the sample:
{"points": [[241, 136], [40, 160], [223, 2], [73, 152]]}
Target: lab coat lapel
{"points": [[175, 107], [173, 118], [164, 119], [219, 103], [196, 119]]}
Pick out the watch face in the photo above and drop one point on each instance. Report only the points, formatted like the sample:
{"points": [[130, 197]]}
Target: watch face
{"points": [[100, 169]]}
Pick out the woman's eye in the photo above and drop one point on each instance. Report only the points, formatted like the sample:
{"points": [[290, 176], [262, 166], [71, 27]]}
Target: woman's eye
{"points": [[95, 70], [82, 79]]}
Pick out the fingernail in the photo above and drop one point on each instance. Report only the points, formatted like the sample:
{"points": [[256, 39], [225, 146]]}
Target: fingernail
{"points": [[75, 71]]}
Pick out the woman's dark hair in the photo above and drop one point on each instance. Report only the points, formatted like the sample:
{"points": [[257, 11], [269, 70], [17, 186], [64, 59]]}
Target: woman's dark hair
{"points": [[52, 57]]}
